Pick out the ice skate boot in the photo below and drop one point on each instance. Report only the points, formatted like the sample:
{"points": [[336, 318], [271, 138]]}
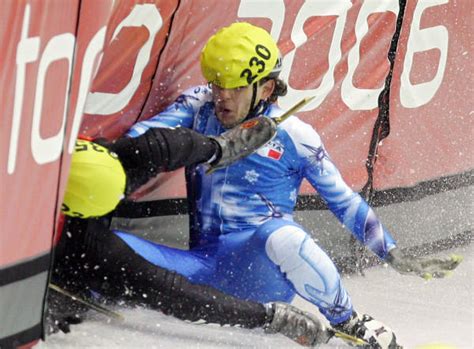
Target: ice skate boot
{"points": [[300, 326], [246, 138], [242, 141], [373, 332]]}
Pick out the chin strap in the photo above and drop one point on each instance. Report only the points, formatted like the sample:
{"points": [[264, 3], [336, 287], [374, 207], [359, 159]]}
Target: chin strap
{"points": [[256, 108], [259, 107], [254, 97]]}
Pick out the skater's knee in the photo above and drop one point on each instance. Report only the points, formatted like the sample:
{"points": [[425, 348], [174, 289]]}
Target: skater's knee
{"points": [[302, 260], [285, 242]]}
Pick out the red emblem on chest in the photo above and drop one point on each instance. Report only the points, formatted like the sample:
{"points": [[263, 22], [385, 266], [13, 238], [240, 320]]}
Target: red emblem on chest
{"points": [[274, 154]]}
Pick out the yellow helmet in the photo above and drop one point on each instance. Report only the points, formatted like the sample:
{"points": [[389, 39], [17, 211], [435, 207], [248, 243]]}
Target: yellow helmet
{"points": [[96, 181], [238, 55]]}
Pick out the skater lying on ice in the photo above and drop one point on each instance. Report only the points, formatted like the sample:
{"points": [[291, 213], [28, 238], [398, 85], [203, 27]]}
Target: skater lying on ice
{"points": [[243, 240]]}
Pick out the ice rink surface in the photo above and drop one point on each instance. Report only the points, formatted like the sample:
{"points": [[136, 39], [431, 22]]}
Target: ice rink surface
{"points": [[420, 312]]}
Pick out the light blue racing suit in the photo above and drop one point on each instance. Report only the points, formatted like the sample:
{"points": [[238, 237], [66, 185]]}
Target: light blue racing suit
{"points": [[243, 239]]}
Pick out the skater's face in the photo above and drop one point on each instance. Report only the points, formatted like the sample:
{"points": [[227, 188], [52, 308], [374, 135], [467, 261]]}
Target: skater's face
{"points": [[232, 105]]}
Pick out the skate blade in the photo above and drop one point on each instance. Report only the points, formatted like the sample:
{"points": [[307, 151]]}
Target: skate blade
{"points": [[98, 308], [354, 341], [278, 120]]}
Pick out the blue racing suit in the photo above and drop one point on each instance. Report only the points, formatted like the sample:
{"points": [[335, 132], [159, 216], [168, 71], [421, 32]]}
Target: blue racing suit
{"points": [[243, 239]]}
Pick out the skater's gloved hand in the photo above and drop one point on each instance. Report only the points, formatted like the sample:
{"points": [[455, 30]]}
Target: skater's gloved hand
{"points": [[301, 327], [427, 268], [61, 323], [62, 312]]}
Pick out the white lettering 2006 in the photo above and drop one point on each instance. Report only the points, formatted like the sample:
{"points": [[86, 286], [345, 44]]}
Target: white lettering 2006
{"points": [[61, 46], [411, 96]]}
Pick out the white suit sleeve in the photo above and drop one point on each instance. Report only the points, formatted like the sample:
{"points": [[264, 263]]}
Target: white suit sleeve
{"points": [[348, 206]]}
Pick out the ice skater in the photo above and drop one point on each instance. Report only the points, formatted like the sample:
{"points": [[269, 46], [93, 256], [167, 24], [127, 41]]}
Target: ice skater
{"points": [[243, 240]]}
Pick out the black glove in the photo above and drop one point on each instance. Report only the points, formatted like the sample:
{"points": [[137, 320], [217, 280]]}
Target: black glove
{"points": [[427, 268], [61, 312]]}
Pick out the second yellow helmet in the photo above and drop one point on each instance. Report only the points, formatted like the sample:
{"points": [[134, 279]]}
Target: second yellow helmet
{"points": [[96, 182]]}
